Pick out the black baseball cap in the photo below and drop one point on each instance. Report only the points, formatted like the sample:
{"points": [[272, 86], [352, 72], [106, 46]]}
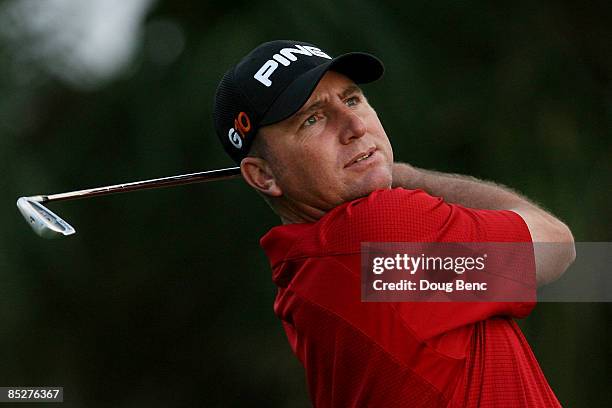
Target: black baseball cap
{"points": [[273, 82]]}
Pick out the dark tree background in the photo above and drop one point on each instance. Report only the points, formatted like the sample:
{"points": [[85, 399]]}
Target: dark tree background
{"points": [[164, 298]]}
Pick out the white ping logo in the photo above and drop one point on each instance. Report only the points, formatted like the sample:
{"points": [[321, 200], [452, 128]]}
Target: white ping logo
{"points": [[285, 57]]}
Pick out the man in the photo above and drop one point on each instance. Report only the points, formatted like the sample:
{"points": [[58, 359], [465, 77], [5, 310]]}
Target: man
{"points": [[310, 143]]}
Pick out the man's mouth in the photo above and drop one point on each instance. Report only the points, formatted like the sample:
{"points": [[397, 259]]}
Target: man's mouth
{"points": [[361, 156]]}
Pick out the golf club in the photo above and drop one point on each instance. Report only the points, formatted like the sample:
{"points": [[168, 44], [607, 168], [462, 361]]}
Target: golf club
{"points": [[49, 225]]}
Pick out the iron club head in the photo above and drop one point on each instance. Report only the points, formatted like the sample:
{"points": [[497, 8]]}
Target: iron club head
{"points": [[42, 220], [48, 225]]}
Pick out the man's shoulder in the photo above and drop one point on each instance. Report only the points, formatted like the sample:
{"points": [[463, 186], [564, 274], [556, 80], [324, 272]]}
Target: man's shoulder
{"points": [[392, 194], [384, 215], [378, 206]]}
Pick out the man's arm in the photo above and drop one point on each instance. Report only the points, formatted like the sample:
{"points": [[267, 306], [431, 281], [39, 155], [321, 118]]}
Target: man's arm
{"points": [[551, 259]]}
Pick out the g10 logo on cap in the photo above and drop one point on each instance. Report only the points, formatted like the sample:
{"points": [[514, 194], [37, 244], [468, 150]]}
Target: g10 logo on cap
{"points": [[242, 126], [285, 57]]}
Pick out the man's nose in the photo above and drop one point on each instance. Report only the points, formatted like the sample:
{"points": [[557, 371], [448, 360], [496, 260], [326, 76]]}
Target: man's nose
{"points": [[352, 127]]}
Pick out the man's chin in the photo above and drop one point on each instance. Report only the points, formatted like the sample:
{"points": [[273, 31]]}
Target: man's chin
{"points": [[378, 179]]}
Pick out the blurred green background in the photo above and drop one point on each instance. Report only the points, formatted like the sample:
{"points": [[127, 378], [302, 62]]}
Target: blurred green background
{"points": [[164, 298]]}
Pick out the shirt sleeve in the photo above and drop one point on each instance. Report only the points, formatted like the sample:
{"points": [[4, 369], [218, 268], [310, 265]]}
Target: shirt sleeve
{"points": [[400, 215]]}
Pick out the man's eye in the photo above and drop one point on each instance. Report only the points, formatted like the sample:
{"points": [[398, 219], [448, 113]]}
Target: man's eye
{"points": [[352, 101], [310, 121]]}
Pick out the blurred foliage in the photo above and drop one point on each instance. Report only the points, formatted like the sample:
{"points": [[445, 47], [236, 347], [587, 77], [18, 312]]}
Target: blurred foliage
{"points": [[164, 297]]}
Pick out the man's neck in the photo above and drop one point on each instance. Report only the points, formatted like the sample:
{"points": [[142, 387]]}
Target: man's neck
{"points": [[294, 213]]}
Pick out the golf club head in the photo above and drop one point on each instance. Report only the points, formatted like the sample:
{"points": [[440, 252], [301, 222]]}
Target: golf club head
{"points": [[43, 221]]}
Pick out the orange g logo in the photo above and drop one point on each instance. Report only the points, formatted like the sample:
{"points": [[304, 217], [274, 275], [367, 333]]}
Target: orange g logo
{"points": [[242, 126]]}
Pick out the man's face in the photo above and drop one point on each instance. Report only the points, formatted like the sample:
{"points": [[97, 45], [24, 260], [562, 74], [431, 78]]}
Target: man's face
{"points": [[333, 150]]}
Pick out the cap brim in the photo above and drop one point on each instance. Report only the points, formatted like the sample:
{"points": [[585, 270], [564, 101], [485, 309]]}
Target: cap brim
{"points": [[358, 66]]}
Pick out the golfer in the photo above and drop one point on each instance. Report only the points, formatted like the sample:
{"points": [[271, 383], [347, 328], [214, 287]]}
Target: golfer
{"points": [[310, 143]]}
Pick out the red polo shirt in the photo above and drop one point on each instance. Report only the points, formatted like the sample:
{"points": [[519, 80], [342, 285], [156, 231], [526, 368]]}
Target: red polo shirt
{"points": [[393, 354]]}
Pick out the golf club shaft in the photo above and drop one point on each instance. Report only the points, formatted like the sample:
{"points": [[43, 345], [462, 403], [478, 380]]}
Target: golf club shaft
{"points": [[199, 177]]}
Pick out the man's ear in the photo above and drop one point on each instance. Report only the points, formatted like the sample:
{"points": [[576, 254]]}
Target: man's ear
{"points": [[257, 172]]}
